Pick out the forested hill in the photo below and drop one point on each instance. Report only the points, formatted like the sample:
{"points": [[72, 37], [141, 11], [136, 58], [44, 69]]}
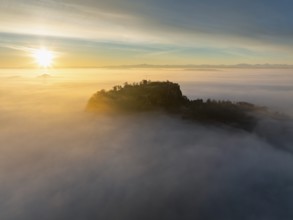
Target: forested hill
{"points": [[167, 97]]}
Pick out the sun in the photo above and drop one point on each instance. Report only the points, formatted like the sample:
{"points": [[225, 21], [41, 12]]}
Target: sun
{"points": [[43, 57]]}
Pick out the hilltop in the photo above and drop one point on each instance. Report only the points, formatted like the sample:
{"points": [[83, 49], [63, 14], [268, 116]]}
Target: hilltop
{"points": [[167, 97]]}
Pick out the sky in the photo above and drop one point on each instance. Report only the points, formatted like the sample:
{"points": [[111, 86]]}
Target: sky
{"points": [[94, 33], [58, 159]]}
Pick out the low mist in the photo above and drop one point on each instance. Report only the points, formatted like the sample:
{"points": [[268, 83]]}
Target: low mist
{"points": [[59, 162]]}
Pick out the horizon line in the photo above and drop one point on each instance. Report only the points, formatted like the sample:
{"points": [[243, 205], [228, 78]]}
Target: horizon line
{"points": [[205, 66]]}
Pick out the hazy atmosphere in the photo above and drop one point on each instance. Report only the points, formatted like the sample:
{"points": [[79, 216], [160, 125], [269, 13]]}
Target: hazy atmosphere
{"points": [[59, 160], [172, 87]]}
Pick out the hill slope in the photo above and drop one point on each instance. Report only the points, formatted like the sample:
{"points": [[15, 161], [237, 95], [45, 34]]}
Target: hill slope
{"points": [[167, 97]]}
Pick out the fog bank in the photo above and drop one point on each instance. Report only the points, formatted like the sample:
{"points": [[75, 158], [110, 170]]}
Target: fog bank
{"points": [[59, 162]]}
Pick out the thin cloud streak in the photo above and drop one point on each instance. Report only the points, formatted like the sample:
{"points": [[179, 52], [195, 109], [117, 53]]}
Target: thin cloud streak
{"points": [[262, 30], [149, 21]]}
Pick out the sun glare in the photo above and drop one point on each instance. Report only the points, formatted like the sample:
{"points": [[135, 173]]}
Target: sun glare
{"points": [[43, 57]]}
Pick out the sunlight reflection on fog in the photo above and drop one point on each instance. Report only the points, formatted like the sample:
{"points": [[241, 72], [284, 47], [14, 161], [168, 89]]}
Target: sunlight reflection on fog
{"points": [[57, 159]]}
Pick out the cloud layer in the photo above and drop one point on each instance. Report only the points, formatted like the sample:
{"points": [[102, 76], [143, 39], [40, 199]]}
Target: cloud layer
{"points": [[236, 18], [58, 162], [198, 32]]}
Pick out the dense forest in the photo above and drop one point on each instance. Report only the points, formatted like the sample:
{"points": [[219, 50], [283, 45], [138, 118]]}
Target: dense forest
{"points": [[167, 97]]}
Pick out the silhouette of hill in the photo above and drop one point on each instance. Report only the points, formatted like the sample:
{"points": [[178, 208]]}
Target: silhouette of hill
{"points": [[44, 76], [167, 97]]}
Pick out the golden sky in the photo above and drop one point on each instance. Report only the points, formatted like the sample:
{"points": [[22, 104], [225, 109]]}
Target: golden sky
{"points": [[126, 32]]}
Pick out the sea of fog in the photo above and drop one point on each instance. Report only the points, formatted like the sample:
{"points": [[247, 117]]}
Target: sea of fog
{"points": [[268, 87], [59, 162]]}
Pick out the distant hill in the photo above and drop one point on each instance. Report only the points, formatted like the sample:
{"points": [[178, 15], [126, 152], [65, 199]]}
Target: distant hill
{"points": [[167, 97], [44, 76]]}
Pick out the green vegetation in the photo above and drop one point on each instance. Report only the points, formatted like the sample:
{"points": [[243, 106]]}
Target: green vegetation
{"points": [[167, 97], [143, 96]]}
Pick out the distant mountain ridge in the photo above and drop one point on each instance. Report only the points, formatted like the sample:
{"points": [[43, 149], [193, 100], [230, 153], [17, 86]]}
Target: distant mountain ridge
{"points": [[239, 66]]}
